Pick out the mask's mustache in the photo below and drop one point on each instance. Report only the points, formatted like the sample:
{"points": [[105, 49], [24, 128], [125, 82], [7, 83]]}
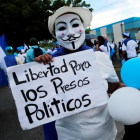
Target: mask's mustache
{"points": [[71, 38]]}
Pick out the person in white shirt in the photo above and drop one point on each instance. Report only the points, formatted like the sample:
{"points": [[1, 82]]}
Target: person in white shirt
{"points": [[54, 49], [129, 47], [94, 124], [103, 45], [112, 45], [22, 56]]}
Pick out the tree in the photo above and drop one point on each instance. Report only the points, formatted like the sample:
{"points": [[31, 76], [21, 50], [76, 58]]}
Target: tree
{"points": [[22, 19], [78, 3], [88, 31]]}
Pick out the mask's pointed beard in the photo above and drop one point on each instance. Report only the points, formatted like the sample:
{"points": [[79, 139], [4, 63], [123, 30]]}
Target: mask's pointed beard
{"points": [[73, 45]]}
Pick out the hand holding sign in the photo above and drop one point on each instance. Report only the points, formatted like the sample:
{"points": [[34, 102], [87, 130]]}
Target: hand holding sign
{"points": [[45, 58]]}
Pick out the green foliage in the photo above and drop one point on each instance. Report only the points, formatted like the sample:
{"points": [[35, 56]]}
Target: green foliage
{"points": [[21, 20], [88, 31], [78, 3], [47, 44]]}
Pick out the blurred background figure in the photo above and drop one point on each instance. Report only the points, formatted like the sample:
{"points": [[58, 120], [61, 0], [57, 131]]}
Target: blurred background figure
{"points": [[129, 47], [23, 56], [34, 50], [25, 47], [9, 60], [104, 36], [139, 44], [57, 44], [89, 43], [95, 45], [103, 45], [137, 41], [114, 46], [54, 49], [120, 49], [16, 54]]}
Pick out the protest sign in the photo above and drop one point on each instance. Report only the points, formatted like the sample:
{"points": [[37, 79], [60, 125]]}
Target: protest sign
{"points": [[69, 85]]}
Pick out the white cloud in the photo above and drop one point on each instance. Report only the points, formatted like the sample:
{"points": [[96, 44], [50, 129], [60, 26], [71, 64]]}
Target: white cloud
{"points": [[115, 11]]}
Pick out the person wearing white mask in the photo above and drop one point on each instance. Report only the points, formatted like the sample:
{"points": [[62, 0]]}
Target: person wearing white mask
{"points": [[68, 25]]}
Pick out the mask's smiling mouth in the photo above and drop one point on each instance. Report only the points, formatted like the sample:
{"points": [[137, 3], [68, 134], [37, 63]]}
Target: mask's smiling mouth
{"points": [[71, 38]]}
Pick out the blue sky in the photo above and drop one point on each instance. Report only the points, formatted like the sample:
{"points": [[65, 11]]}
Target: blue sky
{"points": [[109, 11]]}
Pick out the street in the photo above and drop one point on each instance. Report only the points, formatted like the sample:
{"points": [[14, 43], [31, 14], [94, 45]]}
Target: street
{"points": [[9, 125]]}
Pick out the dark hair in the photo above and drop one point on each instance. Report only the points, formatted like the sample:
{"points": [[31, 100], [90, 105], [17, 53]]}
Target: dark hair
{"points": [[33, 41], [89, 43], [10, 51], [101, 40], [124, 36]]}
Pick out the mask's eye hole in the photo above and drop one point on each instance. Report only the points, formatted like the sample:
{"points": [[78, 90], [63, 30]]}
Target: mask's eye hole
{"points": [[75, 25], [62, 28]]}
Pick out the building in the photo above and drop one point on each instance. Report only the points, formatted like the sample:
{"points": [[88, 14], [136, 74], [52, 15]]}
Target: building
{"points": [[114, 31]]}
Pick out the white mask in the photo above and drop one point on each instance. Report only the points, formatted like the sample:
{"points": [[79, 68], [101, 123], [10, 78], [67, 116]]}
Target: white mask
{"points": [[69, 31]]}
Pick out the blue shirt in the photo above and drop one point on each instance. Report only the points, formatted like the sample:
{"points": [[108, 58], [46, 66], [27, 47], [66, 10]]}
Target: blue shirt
{"points": [[30, 54], [62, 51], [10, 60]]}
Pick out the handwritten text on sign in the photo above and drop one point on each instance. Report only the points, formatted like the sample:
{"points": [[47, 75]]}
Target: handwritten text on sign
{"points": [[69, 85]]}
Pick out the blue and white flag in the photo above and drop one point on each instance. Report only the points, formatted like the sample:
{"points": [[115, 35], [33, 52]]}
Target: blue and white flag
{"points": [[25, 47], [2, 54], [3, 42]]}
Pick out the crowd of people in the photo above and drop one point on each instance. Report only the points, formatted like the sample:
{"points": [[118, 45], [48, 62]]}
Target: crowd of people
{"points": [[70, 24], [126, 49]]}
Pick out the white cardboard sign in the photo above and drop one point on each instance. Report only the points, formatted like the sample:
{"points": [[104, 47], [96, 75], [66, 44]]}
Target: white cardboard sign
{"points": [[69, 85]]}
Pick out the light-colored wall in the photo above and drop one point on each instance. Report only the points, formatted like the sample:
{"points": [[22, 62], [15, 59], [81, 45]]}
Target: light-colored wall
{"points": [[109, 38], [93, 32], [118, 29], [137, 35], [103, 31]]}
